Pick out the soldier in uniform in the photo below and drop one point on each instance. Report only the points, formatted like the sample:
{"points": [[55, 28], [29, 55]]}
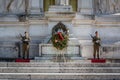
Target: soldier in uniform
{"points": [[96, 45], [25, 46]]}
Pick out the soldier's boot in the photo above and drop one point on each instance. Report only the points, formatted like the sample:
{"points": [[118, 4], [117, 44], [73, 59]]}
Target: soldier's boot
{"points": [[98, 56], [23, 55], [27, 54], [94, 56]]}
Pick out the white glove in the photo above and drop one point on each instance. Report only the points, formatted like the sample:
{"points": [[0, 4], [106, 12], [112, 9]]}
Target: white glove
{"points": [[98, 41]]}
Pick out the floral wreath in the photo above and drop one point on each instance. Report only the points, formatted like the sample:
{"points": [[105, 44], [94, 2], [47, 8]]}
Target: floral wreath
{"points": [[60, 36]]}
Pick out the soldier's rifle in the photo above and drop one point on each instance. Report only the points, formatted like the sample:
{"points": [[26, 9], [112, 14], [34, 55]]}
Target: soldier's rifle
{"points": [[92, 36]]}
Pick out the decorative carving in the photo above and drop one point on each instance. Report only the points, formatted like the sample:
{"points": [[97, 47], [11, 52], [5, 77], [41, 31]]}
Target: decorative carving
{"points": [[14, 6], [107, 6], [62, 2]]}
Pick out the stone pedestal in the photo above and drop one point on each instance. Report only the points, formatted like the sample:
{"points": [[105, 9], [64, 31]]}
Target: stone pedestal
{"points": [[45, 49]]}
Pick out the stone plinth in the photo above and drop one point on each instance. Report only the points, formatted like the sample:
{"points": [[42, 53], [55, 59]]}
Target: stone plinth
{"points": [[49, 49]]}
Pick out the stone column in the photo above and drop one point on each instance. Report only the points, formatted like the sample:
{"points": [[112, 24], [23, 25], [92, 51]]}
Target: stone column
{"points": [[36, 6], [79, 6], [87, 7], [41, 5]]}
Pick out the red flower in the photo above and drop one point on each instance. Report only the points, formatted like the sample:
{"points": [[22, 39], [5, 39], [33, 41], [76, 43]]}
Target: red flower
{"points": [[60, 36]]}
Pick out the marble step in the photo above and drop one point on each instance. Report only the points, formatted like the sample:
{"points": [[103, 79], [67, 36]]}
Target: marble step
{"points": [[52, 58], [60, 70], [62, 60], [60, 79], [67, 56], [61, 76], [56, 64]]}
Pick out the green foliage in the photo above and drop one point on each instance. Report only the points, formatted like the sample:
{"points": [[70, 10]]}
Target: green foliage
{"points": [[56, 41], [59, 44]]}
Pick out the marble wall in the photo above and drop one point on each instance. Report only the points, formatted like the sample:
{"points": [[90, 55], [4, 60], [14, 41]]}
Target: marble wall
{"points": [[109, 36], [10, 36]]}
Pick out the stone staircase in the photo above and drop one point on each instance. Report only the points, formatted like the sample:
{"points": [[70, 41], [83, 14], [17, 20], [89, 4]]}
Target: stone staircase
{"points": [[83, 70]]}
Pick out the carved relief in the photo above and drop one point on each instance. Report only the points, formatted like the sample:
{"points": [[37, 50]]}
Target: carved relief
{"points": [[107, 6], [14, 6]]}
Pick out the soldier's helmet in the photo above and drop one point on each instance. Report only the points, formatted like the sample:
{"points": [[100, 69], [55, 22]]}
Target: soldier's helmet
{"points": [[96, 32]]}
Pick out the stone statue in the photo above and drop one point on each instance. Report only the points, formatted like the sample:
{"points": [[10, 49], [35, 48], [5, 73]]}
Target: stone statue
{"points": [[57, 2], [107, 6], [98, 8], [112, 6], [14, 6], [117, 2], [103, 6], [62, 2]]}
